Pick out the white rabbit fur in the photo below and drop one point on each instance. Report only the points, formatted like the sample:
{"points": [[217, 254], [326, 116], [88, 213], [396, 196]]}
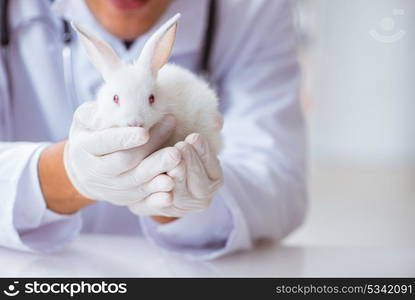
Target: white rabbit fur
{"points": [[176, 90]]}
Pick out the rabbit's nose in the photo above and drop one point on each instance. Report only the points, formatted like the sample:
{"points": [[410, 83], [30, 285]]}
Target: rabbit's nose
{"points": [[135, 124]]}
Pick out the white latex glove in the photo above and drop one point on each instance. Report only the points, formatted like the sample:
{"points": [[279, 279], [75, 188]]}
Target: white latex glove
{"points": [[196, 180], [118, 164]]}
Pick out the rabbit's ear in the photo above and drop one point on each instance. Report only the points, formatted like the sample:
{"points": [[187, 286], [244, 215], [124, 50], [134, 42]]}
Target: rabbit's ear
{"points": [[99, 52], [156, 51]]}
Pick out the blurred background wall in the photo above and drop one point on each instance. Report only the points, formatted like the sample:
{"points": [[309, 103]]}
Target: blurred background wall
{"points": [[359, 90]]}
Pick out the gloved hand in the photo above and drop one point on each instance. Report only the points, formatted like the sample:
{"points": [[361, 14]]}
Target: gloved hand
{"points": [[118, 164], [196, 180]]}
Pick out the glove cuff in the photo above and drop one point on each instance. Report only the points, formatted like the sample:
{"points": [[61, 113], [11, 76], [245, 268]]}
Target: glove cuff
{"points": [[72, 175]]}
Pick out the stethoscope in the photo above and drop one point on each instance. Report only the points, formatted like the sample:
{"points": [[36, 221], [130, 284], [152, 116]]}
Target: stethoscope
{"points": [[67, 37]]}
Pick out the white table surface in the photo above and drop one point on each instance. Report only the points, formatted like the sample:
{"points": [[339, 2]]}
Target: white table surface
{"points": [[360, 224]]}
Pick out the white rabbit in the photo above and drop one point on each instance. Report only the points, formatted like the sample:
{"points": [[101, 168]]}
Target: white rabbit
{"points": [[141, 93]]}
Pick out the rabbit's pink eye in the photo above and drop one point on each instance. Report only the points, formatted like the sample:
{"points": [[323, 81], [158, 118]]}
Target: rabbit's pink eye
{"points": [[151, 99], [116, 99]]}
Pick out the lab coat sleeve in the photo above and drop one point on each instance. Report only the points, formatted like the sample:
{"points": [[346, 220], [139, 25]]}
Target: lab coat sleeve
{"points": [[264, 194], [26, 223]]}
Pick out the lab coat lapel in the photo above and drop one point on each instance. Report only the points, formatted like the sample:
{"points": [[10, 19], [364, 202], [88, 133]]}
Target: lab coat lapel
{"points": [[21, 12], [36, 65]]}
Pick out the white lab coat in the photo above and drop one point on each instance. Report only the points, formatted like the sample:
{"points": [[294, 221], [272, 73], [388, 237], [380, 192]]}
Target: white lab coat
{"points": [[255, 69]]}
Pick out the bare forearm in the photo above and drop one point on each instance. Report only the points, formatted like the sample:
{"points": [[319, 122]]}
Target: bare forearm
{"points": [[163, 220], [59, 194]]}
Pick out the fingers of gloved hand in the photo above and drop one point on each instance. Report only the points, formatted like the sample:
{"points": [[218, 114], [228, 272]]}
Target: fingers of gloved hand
{"points": [[83, 114], [160, 183], [161, 161], [117, 162], [152, 204], [119, 191], [178, 174], [183, 200], [159, 134], [81, 118], [206, 155], [198, 182], [113, 191], [112, 139], [87, 117], [122, 161]]}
